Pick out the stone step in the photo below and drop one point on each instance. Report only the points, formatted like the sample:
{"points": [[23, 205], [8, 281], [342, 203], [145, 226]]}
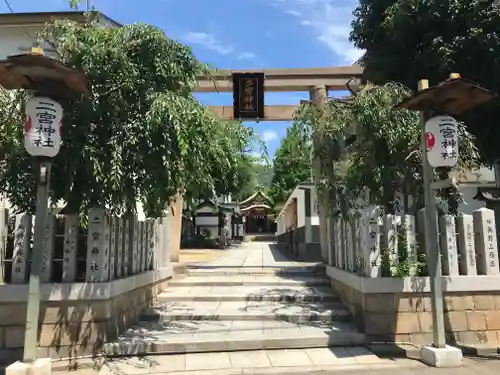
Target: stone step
{"points": [[249, 293], [214, 336], [257, 271], [243, 310], [250, 280]]}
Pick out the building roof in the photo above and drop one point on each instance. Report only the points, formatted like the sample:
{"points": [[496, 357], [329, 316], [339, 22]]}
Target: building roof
{"points": [[38, 18], [254, 195]]}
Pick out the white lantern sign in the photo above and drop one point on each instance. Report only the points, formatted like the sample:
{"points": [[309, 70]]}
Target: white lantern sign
{"points": [[441, 140], [42, 129]]}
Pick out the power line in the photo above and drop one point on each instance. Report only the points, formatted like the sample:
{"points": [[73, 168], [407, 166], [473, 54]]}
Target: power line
{"points": [[8, 6], [30, 38]]}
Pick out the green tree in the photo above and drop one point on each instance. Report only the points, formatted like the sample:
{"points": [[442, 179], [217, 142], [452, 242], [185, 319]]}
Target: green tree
{"points": [[406, 40], [291, 163], [385, 158], [141, 137]]}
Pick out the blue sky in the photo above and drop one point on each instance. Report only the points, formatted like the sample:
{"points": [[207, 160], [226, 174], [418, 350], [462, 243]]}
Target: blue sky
{"points": [[241, 34]]}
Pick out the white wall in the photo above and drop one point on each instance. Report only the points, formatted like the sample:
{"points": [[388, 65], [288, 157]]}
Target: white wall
{"points": [[15, 40], [314, 207]]}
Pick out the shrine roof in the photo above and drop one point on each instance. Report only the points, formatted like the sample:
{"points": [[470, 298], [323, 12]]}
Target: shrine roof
{"points": [[256, 195], [254, 206]]}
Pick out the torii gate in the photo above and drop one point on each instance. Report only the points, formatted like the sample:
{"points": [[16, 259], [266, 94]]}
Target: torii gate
{"points": [[281, 80], [249, 93]]}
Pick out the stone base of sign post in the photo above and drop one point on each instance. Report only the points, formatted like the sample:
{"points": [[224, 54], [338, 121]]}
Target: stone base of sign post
{"points": [[448, 356], [40, 366]]}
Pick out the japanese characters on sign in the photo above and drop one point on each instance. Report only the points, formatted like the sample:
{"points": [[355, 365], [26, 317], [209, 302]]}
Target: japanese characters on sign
{"points": [[70, 247], [372, 261], [98, 246], [449, 245], [491, 243], [48, 249], [466, 245], [486, 242], [42, 129], [441, 138], [248, 95], [22, 234]]}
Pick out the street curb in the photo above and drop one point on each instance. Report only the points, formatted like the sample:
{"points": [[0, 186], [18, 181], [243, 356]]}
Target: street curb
{"points": [[480, 350], [390, 350]]}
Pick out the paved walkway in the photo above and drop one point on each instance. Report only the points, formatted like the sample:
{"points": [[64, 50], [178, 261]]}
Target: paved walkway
{"points": [[256, 255], [251, 311]]}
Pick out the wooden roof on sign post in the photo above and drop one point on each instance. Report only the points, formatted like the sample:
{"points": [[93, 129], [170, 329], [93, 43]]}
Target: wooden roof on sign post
{"points": [[38, 72], [452, 96]]}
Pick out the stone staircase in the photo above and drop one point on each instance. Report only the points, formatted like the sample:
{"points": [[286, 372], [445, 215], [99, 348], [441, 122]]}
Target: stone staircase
{"points": [[232, 309]]}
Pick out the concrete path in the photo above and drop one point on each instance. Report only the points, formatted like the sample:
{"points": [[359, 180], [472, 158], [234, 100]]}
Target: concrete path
{"points": [[252, 310], [255, 255]]}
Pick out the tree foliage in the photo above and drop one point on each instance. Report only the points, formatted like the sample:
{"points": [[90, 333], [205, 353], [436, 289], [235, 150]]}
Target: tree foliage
{"points": [[407, 40], [292, 162], [386, 158], [142, 137]]}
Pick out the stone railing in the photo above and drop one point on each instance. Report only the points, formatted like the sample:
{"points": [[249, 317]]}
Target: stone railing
{"points": [[373, 246], [377, 264], [96, 278], [108, 248]]}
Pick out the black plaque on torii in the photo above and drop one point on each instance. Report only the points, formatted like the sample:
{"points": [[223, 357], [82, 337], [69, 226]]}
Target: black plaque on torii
{"points": [[248, 96]]}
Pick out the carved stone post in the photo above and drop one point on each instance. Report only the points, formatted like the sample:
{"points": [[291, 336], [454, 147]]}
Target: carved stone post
{"points": [[70, 248], [22, 236]]}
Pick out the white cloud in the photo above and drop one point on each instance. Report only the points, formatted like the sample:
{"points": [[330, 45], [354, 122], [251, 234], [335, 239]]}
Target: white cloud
{"points": [[246, 56], [269, 135], [331, 21], [208, 41], [293, 13]]}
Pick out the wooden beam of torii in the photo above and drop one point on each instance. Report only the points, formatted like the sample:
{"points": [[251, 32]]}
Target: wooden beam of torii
{"points": [[280, 80]]}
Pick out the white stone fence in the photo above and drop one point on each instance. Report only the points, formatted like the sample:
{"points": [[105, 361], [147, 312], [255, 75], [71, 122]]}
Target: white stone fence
{"points": [[375, 245], [107, 248]]}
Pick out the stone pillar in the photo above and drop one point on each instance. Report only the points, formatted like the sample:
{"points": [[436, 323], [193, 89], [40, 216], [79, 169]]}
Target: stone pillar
{"points": [[350, 254], [409, 225], [339, 256], [176, 223], [97, 246], [486, 242], [389, 239], [166, 240], [113, 224], [372, 258], [466, 245], [119, 247], [126, 247], [153, 242], [4, 221], [449, 245], [48, 249], [342, 241], [135, 243], [318, 96], [71, 227], [22, 236], [144, 244]]}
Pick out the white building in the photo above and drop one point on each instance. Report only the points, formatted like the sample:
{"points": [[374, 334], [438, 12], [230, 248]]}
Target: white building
{"points": [[18, 31]]}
